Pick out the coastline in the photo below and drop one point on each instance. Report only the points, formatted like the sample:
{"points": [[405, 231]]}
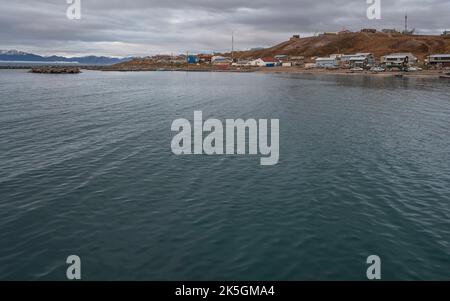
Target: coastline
{"points": [[415, 74], [434, 74]]}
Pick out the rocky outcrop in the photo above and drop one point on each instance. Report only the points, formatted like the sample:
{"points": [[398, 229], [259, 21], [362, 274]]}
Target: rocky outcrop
{"points": [[56, 70]]}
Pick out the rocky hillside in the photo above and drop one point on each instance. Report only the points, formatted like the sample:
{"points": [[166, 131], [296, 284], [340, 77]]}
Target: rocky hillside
{"points": [[377, 43]]}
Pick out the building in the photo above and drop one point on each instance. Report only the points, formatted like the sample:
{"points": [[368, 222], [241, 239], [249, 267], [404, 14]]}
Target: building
{"points": [[327, 62], [295, 37], [192, 59], [221, 61], [399, 60], [389, 30], [297, 60], [369, 30], [361, 59], [439, 60], [344, 31], [310, 65], [270, 61], [446, 33], [358, 62], [241, 63], [328, 33], [264, 62], [336, 56], [205, 58], [281, 57]]}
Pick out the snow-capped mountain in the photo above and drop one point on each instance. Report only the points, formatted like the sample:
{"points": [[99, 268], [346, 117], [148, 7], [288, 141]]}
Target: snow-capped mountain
{"points": [[15, 55], [12, 52]]}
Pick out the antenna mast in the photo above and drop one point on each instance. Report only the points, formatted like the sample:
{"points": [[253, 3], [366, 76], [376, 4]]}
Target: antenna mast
{"points": [[406, 22], [232, 46]]}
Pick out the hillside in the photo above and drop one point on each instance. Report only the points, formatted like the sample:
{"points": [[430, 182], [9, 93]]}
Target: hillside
{"points": [[323, 45], [377, 43]]}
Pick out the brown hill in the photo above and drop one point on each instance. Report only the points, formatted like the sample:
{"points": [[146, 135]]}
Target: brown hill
{"points": [[377, 43]]}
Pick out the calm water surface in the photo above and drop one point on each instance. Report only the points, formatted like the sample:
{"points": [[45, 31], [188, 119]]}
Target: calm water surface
{"points": [[86, 168]]}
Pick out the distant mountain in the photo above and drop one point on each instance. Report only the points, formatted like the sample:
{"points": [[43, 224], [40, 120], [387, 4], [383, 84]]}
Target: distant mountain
{"points": [[15, 56]]}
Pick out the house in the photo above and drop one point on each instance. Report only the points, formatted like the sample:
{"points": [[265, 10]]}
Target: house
{"points": [[310, 66], [361, 59], [281, 57], [205, 58], [347, 57], [241, 63], [270, 62], [369, 30], [327, 62], [178, 60], [344, 31], [264, 62], [336, 56], [446, 33], [221, 61], [257, 63], [358, 62], [297, 60], [439, 60], [192, 59], [295, 37], [389, 30], [399, 60]]}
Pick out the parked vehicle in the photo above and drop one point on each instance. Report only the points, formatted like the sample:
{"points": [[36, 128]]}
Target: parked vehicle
{"points": [[357, 69], [412, 69], [377, 69]]}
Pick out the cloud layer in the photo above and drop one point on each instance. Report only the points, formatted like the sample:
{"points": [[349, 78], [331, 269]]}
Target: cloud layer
{"points": [[145, 27]]}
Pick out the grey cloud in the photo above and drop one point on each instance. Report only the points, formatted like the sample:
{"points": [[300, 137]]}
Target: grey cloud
{"points": [[138, 27]]}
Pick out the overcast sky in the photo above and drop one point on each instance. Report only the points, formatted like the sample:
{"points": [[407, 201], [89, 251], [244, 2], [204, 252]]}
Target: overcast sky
{"points": [[145, 27]]}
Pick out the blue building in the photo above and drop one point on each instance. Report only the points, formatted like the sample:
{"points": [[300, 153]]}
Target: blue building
{"points": [[192, 59]]}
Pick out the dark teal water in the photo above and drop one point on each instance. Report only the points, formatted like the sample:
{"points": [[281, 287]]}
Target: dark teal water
{"points": [[86, 168]]}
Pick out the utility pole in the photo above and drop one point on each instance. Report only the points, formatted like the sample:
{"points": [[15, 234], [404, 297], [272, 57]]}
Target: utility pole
{"points": [[232, 46], [406, 23]]}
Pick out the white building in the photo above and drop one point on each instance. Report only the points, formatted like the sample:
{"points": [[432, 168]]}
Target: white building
{"points": [[399, 60], [359, 55], [439, 60], [264, 62], [220, 59], [326, 62]]}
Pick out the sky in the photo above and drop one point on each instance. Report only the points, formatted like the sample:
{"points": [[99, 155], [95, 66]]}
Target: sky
{"points": [[149, 27]]}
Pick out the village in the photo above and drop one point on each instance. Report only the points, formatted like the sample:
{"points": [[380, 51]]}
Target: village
{"points": [[366, 62]]}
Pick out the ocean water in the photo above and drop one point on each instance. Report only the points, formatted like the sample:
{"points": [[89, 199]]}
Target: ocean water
{"points": [[86, 168]]}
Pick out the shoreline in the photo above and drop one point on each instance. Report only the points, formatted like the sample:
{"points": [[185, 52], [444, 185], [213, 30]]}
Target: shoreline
{"points": [[435, 74], [414, 74]]}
